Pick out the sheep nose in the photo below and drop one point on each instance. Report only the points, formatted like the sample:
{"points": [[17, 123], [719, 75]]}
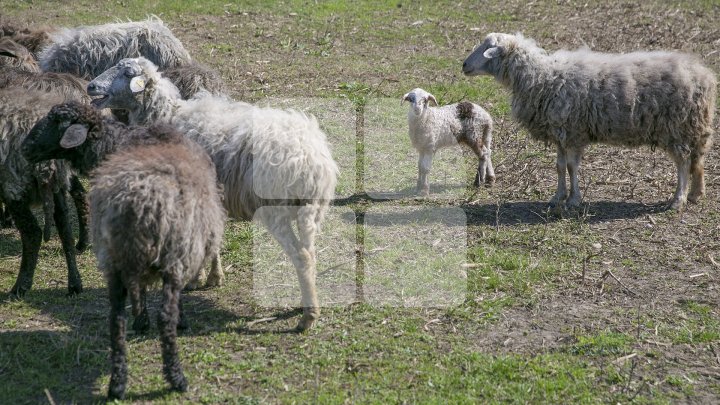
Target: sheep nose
{"points": [[464, 65], [91, 87]]}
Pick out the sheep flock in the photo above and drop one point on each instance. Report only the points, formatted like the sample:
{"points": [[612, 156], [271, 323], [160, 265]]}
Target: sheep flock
{"points": [[169, 154]]}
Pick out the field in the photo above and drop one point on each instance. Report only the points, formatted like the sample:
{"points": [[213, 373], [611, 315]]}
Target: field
{"points": [[469, 296]]}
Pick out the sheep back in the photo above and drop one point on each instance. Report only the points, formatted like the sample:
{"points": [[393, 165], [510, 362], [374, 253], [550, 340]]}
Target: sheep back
{"points": [[155, 211], [661, 99], [19, 110], [88, 51]]}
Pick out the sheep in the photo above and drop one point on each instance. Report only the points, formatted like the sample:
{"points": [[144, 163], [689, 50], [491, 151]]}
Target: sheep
{"points": [[263, 156], [19, 183], [194, 78], [88, 51], [156, 214], [25, 74], [575, 98], [435, 128], [32, 39]]}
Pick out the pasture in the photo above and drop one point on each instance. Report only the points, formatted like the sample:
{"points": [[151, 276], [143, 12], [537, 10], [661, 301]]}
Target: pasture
{"points": [[468, 296]]}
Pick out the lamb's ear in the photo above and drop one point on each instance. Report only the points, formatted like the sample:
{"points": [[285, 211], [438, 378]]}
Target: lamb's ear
{"points": [[493, 52], [74, 136], [137, 84], [432, 98]]}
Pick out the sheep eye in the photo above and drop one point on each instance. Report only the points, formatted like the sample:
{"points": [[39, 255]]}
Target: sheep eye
{"points": [[64, 124]]}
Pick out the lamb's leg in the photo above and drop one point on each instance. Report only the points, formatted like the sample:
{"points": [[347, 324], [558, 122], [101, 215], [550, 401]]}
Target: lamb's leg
{"points": [[424, 166], [77, 192], [489, 170], [31, 236], [118, 374], [141, 322], [302, 255], [683, 172], [62, 222], [697, 169], [573, 158], [561, 165], [216, 278], [167, 323], [485, 172]]}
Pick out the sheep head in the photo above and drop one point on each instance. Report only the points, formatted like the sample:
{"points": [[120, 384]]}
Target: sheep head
{"points": [[62, 132], [485, 59], [18, 54], [123, 85], [419, 99]]}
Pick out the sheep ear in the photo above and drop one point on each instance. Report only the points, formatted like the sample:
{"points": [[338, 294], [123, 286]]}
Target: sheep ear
{"points": [[493, 52], [5, 52], [137, 84], [432, 98], [406, 97], [74, 136]]}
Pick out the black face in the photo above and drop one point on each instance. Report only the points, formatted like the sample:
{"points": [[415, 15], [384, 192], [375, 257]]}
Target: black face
{"points": [[43, 140]]}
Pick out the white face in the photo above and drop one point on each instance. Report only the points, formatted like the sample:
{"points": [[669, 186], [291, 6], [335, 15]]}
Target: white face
{"points": [[419, 100], [117, 86], [480, 61]]}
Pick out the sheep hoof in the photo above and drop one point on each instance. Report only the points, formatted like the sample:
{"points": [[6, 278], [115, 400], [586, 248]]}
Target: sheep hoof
{"points": [[694, 197], [141, 324], [179, 383], [307, 321], [116, 392], [74, 289], [677, 205], [490, 181], [18, 292], [81, 246], [214, 280]]}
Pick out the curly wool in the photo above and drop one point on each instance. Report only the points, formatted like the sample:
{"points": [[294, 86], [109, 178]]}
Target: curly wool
{"points": [[88, 51]]}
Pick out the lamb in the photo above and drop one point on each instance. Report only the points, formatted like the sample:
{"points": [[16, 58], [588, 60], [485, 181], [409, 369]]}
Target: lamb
{"points": [[88, 51], [25, 74], [434, 128], [575, 98], [156, 214], [20, 184], [264, 158]]}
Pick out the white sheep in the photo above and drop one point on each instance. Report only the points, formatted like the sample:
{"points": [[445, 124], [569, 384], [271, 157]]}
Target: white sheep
{"points": [[575, 98], [433, 128], [264, 158]]}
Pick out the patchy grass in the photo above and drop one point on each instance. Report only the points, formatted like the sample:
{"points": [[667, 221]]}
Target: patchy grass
{"points": [[615, 304]]}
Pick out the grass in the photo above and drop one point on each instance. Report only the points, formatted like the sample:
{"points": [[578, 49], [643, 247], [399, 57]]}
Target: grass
{"points": [[468, 296]]}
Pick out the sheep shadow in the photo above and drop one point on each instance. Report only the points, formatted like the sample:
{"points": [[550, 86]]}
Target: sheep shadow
{"points": [[65, 348], [537, 213]]}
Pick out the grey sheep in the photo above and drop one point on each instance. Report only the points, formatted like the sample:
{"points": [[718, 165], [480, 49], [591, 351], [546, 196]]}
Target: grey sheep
{"points": [[572, 99], [25, 74], [21, 183], [156, 215], [433, 128]]}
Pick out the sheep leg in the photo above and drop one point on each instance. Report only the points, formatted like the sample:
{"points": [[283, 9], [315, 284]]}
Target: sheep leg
{"points": [[302, 257], [561, 165], [697, 169], [485, 172], [573, 159], [424, 166], [141, 322], [118, 374], [683, 172], [77, 192], [167, 323], [48, 210], [64, 229], [216, 278], [489, 170], [31, 237]]}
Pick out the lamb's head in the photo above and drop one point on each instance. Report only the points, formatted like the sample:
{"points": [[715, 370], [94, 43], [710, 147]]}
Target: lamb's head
{"points": [[485, 59], [419, 100], [63, 132], [123, 86]]}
